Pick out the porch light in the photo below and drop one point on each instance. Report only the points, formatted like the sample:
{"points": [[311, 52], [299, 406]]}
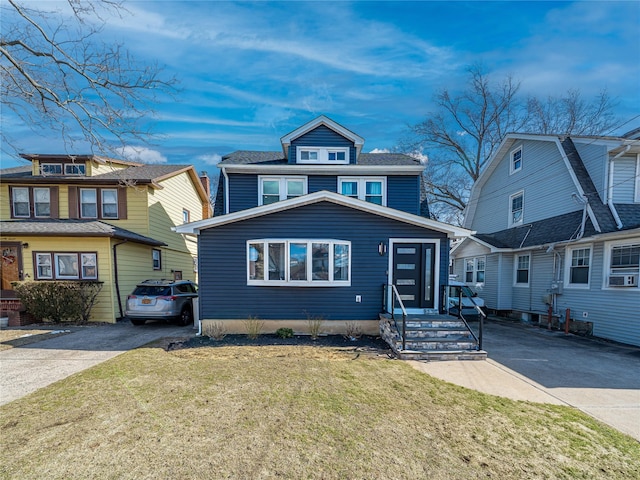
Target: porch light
{"points": [[382, 248]]}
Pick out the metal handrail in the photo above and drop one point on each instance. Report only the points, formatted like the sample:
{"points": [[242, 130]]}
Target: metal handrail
{"points": [[478, 338], [404, 314]]}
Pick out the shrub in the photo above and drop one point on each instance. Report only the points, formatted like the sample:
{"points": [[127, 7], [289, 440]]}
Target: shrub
{"points": [[58, 301], [315, 326], [215, 330], [284, 333], [253, 326], [353, 330]]}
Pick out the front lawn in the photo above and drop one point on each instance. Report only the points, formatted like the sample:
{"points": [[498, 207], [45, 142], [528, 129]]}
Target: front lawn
{"points": [[293, 412]]}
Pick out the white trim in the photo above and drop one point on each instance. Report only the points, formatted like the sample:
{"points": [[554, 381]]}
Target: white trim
{"points": [[474, 281], [511, 198], [512, 169], [362, 181], [282, 188], [309, 263], [37, 266], [322, 196], [13, 202], [322, 155], [515, 269], [436, 270], [637, 196], [59, 276], [606, 264], [286, 140], [568, 260], [102, 203], [95, 190]]}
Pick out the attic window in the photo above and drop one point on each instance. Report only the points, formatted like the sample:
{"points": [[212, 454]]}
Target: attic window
{"points": [[51, 169], [74, 169], [516, 160], [331, 155]]}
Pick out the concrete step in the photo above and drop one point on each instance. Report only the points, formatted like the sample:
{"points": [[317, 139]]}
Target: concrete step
{"points": [[439, 355]]}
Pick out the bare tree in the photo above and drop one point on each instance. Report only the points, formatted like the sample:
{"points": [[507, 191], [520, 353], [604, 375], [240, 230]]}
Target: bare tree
{"points": [[57, 75], [466, 129]]}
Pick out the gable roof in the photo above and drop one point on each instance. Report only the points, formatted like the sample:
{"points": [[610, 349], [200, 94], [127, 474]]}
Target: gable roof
{"points": [[600, 215], [72, 228], [322, 196], [286, 140]]}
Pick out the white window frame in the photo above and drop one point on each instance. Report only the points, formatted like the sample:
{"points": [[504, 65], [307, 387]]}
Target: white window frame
{"points": [[516, 264], [511, 198], [102, 203], [362, 186], [283, 185], [606, 264], [48, 264], [36, 203], [475, 261], [309, 282], [637, 196], [89, 260], [512, 154], [323, 155], [60, 276], [568, 265], [43, 165], [79, 168], [95, 190], [13, 202]]}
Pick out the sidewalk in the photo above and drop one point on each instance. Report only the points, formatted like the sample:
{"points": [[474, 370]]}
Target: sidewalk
{"points": [[529, 363]]}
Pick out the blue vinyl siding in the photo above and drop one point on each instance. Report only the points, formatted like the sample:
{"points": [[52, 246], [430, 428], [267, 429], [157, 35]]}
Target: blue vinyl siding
{"points": [[403, 193], [223, 268], [321, 136], [243, 192], [317, 183]]}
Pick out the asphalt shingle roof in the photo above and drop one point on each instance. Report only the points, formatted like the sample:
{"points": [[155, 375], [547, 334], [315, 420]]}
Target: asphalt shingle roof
{"points": [[248, 157], [72, 228]]}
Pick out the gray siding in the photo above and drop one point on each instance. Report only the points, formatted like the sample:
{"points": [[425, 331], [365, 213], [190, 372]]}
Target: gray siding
{"points": [[321, 136], [543, 171], [594, 158], [223, 278], [624, 180]]}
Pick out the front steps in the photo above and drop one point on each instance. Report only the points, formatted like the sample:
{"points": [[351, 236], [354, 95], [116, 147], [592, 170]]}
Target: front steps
{"points": [[431, 337]]}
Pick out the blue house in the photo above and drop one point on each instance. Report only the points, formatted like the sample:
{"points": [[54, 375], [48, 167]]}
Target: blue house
{"points": [[316, 231], [558, 229]]}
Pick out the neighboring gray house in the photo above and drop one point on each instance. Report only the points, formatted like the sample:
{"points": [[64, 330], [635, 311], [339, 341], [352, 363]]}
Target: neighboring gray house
{"points": [[317, 230], [558, 225]]}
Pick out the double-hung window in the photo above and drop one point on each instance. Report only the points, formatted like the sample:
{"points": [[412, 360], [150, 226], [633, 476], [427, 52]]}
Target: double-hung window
{"points": [[42, 202], [522, 269], [516, 160], [516, 209], [27, 202], [578, 264], [622, 264], [109, 202], [20, 202], [322, 155], [88, 203], [369, 189], [156, 259], [474, 270], [274, 189], [298, 262]]}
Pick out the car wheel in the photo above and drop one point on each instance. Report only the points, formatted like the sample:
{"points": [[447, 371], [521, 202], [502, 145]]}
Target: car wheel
{"points": [[186, 317], [137, 321]]}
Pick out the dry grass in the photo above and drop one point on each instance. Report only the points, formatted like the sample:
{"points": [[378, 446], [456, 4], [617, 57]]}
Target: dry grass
{"points": [[296, 413], [17, 338]]}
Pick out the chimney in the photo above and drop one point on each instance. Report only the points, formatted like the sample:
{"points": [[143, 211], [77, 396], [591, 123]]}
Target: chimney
{"points": [[207, 210]]}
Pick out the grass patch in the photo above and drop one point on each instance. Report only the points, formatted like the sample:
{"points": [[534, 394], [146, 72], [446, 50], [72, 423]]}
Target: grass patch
{"points": [[293, 412]]}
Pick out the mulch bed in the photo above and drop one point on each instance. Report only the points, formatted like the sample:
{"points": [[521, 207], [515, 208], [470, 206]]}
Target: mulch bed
{"points": [[363, 343]]}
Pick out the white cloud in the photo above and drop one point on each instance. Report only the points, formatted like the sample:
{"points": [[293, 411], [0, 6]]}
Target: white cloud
{"points": [[380, 150], [212, 159], [142, 154]]}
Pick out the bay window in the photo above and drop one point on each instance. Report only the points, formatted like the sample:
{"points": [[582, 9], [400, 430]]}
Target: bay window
{"points": [[66, 265], [298, 262]]}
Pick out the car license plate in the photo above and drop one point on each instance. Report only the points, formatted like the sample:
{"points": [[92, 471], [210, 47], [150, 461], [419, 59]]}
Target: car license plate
{"points": [[146, 301]]}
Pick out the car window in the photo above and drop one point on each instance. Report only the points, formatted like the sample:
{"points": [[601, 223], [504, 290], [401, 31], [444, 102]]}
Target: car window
{"points": [[184, 288], [152, 290]]}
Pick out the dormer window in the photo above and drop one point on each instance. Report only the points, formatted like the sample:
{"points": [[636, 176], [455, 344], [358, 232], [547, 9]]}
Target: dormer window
{"points": [[74, 169], [51, 169], [516, 160], [332, 155]]}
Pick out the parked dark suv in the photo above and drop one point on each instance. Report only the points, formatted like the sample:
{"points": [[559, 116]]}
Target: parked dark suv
{"points": [[162, 300]]}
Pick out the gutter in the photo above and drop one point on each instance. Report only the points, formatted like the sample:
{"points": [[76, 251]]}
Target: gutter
{"points": [[115, 274], [226, 190], [614, 212]]}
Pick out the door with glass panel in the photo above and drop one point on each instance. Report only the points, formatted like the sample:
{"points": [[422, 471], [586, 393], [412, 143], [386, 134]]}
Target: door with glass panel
{"points": [[414, 274]]}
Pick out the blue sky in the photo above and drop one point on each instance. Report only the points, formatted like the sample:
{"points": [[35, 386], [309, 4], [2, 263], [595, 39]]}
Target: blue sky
{"points": [[252, 72]]}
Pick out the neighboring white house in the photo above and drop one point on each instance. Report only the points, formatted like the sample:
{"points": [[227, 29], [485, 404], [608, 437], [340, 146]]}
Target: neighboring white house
{"points": [[558, 225]]}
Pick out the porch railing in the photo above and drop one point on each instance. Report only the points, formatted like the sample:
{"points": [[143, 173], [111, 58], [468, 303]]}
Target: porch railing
{"points": [[396, 296], [481, 315]]}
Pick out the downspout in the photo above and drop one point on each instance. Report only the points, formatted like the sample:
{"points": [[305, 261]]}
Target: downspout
{"points": [[226, 190], [616, 217], [115, 274]]}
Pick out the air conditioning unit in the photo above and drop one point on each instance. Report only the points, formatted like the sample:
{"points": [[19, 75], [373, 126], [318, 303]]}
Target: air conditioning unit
{"points": [[623, 280]]}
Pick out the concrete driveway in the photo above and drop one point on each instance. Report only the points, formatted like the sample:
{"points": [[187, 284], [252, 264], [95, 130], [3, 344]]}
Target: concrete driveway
{"points": [[26, 369], [527, 362]]}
